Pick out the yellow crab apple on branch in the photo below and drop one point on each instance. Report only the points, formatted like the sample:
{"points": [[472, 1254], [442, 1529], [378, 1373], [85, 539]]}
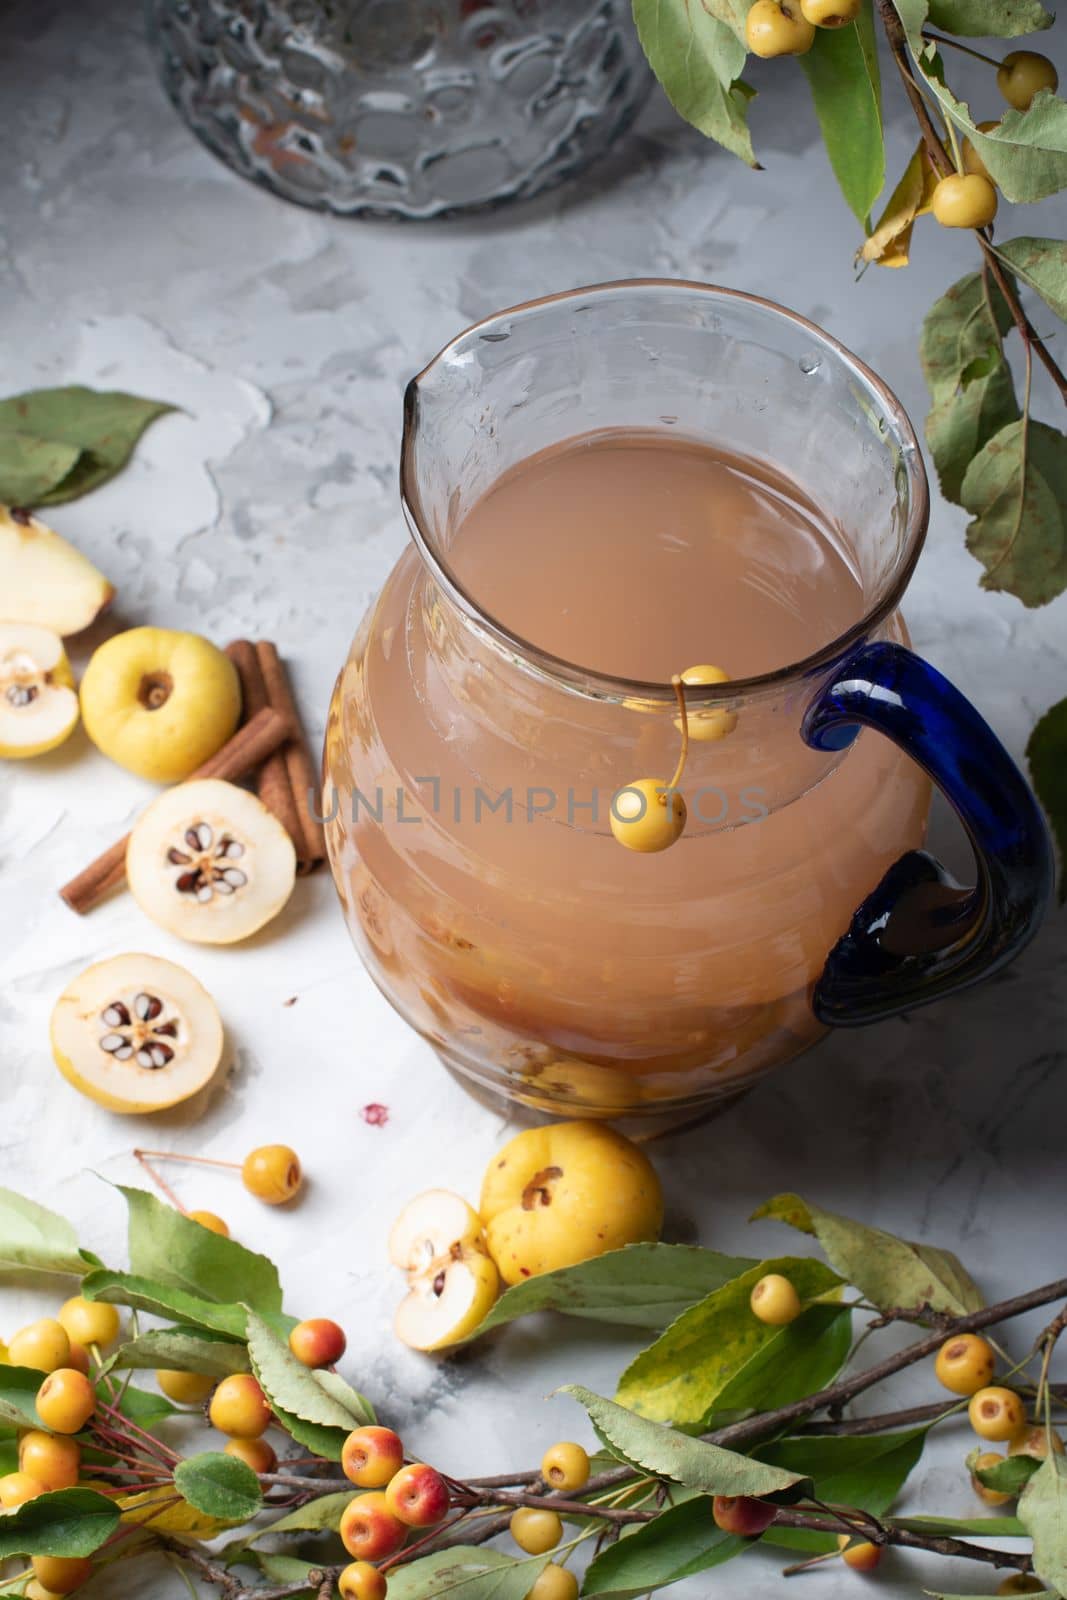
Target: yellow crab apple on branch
{"points": [[299, 1488]]}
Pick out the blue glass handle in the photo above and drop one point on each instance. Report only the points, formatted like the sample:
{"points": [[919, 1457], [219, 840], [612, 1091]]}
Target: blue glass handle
{"points": [[920, 935]]}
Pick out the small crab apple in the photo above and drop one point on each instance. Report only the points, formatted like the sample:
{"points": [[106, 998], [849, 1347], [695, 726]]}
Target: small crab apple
{"points": [[369, 1530], [982, 1463], [61, 1574], [965, 1364], [18, 1487], [53, 1461], [705, 726], [239, 1407], [964, 200], [371, 1456], [554, 1583], [361, 1581], [647, 815], [1023, 74], [255, 1453], [775, 1301], [438, 1240], [830, 13], [66, 1400], [79, 1358], [208, 1220], [418, 1496], [90, 1321], [996, 1414], [318, 1342], [743, 1514], [1037, 1441], [862, 1556], [535, 1531], [272, 1172], [160, 703], [778, 28], [565, 1467], [185, 1388], [558, 1195], [43, 1345]]}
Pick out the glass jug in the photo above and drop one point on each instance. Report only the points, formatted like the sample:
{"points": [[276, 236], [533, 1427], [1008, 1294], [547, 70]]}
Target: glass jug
{"points": [[468, 771]]}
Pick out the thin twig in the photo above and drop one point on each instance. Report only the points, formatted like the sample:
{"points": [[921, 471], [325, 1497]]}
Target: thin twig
{"points": [[889, 1533]]}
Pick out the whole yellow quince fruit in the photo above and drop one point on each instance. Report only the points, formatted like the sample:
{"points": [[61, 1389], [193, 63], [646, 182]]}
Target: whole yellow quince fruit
{"points": [[160, 703], [558, 1195]]}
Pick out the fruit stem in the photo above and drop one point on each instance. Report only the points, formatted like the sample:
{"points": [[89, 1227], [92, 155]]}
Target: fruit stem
{"points": [[940, 38], [679, 691]]}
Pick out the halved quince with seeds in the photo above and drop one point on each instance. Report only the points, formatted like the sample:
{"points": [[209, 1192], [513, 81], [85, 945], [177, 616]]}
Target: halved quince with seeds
{"points": [[137, 1033], [38, 706], [439, 1242], [208, 862], [46, 581]]}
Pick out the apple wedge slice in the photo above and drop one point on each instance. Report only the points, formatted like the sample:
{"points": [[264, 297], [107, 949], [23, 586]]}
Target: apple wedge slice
{"points": [[47, 581], [438, 1241]]}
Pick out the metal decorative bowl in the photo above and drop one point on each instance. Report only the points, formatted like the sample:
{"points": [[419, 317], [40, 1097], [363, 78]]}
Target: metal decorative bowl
{"points": [[402, 108]]}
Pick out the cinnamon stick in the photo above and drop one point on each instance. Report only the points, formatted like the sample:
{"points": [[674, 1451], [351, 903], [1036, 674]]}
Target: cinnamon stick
{"points": [[249, 746], [297, 756], [272, 780]]}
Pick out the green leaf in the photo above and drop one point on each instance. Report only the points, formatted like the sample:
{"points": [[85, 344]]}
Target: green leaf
{"points": [[320, 1515], [794, 1361], [1047, 754], [220, 1486], [890, 1272], [68, 1522], [842, 69], [641, 1286], [963, 1527], [9, 1452], [665, 1453], [867, 1472], [325, 1442], [967, 375], [965, 326], [297, 1389], [1043, 1513], [30, 467], [466, 1573], [698, 58], [100, 428], [168, 1247], [32, 1238], [18, 1395], [286, 1570], [1010, 1474], [961, 425], [144, 1407], [681, 1542], [148, 1294], [1041, 263], [1016, 491], [343, 1392], [1005, 19], [181, 1350], [717, 1354]]}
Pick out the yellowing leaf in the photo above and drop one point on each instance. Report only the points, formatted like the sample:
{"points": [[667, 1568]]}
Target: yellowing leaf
{"points": [[890, 243], [157, 1508]]}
